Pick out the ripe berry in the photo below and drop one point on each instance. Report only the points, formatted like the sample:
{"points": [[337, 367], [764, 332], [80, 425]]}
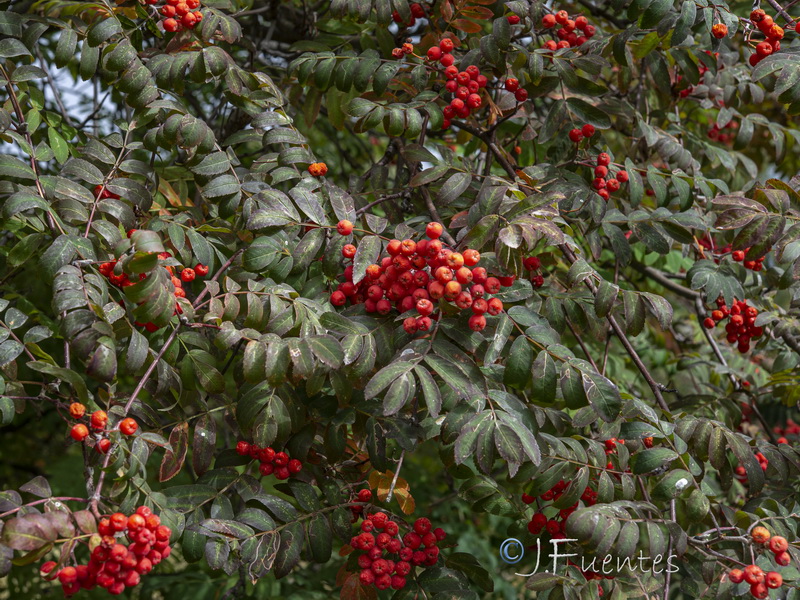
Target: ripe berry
{"points": [[79, 432], [338, 298], [348, 251], [434, 230], [201, 270], [603, 159], [187, 275], [511, 84], [532, 263], [294, 466], [778, 544], [719, 31], [512, 20], [588, 130], [773, 580], [318, 169], [548, 21], [783, 559], [521, 95], [736, 575], [759, 590], [753, 574], [575, 135], [477, 322], [760, 535], [709, 323], [128, 426], [344, 227], [99, 419], [446, 45]]}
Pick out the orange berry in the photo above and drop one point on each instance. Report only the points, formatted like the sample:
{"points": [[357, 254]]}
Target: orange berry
{"points": [[79, 432], [760, 535], [128, 426], [77, 410]]}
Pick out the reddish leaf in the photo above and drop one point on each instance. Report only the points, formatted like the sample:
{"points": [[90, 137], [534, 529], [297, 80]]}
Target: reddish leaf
{"points": [[173, 459], [353, 590], [466, 25]]}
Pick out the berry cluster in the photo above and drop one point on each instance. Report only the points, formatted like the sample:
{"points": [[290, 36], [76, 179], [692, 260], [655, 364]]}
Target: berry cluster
{"points": [[576, 135], [753, 265], [97, 421], [533, 264], [773, 32], [414, 275], [741, 472], [791, 428], [387, 559], [120, 279], [364, 495], [567, 33], [741, 328], [556, 526], [417, 12], [318, 169], [702, 69], [603, 182], [113, 565], [759, 581], [272, 463], [463, 85], [407, 48], [719, 134], [179, 14]]}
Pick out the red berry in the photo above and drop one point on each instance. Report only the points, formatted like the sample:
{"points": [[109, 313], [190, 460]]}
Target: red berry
{"points": [[338, 298], [128, 426], [709, 323], [511, 84], [187, 275], [575, 135], [521, 95], [79, 432], [344, 227], [588, 130], [548, 21]]}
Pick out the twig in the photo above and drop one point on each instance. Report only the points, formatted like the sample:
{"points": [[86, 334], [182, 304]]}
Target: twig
{"points": [[582, 345], [658, 276], [668, 575], [396, 475], [100, 480], [23, 129]]}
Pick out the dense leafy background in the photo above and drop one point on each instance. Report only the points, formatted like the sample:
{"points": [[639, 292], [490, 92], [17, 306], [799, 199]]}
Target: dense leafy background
{"points": [[206, 137]]}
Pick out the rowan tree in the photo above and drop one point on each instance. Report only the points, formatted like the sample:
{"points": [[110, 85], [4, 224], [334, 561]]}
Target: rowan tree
{"points": [[311, 299]]}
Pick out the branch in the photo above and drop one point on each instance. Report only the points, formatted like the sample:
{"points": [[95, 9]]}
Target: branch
{"points": [[99, 488], [658, 276], [654, 385], [23, 129]]}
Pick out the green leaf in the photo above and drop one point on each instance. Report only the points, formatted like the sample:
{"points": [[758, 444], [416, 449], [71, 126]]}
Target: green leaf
{"points": [[651, 459], [455, 185], [366, 254], [15, 168], [383, 378], [518, 365], [102, 31], [543, 372], [174, 458]]}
